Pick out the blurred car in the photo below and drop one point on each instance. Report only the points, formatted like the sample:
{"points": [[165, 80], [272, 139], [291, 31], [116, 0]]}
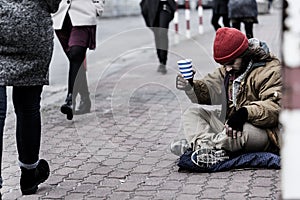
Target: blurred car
{"points": [[195, 3]]}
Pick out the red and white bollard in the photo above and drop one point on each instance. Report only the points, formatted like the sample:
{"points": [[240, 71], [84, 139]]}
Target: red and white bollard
{"points": [[290, 115], [176, 24], [200, 14], [187, 18]]}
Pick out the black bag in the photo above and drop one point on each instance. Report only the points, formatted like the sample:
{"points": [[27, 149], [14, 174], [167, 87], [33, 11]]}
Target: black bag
{"points": [[53, 5]]}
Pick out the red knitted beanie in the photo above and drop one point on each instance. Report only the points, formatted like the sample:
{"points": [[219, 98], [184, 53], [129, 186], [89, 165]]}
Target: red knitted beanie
{"points": [[229, 44]]}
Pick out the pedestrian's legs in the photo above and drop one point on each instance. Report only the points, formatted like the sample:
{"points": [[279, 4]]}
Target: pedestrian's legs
{"points": [[226, 20], [81, 85], [76, 56], [249, 29], [215, 21], [26, 102], [3, 107], [236, 24]]}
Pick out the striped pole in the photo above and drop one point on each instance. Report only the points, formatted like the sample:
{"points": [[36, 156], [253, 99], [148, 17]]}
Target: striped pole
{"points": [[200, 14], [176, 38], [187, 18], [290, 115]]}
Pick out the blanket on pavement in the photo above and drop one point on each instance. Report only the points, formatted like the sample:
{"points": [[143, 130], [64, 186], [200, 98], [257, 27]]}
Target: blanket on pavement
{"points": [[249, 160]]}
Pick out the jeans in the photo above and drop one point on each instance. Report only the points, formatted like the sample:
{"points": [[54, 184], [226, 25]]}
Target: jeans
{"points": [[26, 102]]}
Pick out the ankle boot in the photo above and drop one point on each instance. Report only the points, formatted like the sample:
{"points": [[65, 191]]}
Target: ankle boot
{"points": [[31, 178], [67, 108], [84, 106]]}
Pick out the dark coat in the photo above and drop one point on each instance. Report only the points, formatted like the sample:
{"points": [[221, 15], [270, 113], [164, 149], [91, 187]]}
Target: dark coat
{"points": [[26, 41], [242, 9], [220, 7], [150, 9]]}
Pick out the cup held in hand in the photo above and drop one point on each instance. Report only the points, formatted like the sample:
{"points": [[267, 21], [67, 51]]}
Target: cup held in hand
{"points": [[186, 69]]}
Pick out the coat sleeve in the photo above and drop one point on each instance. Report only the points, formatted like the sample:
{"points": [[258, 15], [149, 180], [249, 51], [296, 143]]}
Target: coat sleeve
{"points": [[265, 112], [99, 4], [209, 89]]}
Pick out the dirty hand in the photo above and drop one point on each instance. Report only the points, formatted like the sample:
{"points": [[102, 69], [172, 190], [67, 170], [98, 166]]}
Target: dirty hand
{"points": [[234, 125], [183, 84]]}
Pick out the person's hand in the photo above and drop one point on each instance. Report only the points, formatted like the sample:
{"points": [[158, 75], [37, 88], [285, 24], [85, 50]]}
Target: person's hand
{"points": [[234, 125], [183, 84]]}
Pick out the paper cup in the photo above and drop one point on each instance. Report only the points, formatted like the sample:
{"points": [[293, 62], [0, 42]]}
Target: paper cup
{"points": [[186, 68]]}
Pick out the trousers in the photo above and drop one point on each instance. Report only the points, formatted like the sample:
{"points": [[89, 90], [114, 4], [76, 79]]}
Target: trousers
{"points": [[203, 129]]}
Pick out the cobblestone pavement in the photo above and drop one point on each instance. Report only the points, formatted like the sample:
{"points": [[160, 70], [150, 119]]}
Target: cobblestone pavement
{"points": [[121, 149]]}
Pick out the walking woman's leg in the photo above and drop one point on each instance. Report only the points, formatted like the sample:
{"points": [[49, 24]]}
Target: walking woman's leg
{"points": [[76, 56]]}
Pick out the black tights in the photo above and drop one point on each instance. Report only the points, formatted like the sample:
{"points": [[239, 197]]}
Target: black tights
{"points": [[248, 28], [76, 56]]}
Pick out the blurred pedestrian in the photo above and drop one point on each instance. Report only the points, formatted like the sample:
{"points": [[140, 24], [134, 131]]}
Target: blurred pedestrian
{"points": [[26, 47], [75, 26], [158, 14], [243, 11], [248, 85], [220, 9]]}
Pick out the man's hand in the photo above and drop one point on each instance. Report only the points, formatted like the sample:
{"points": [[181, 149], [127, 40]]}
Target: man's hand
{"points": [[234, 125], [183, 84]]}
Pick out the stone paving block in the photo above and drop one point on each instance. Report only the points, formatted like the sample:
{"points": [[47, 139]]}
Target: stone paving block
{"points": [[191, 189], [159, 172], [119, 195], [127, 186], [165, 194], [262, 181], [261, 191], [68, 184], [58, 193], [142, 169], [119, 174], [99, 193], [186, 197], [75, 196], [84, 188], [237, 187], [110, 182], [235, 195]]}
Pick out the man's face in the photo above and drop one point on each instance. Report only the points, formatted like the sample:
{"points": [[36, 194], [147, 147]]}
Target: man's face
{"points": [[234, 66]]}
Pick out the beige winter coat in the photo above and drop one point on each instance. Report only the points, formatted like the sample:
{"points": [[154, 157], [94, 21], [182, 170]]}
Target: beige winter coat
{"points": [[260, 92]]}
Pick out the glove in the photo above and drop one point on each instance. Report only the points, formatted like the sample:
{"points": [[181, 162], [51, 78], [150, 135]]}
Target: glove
{"points": [[238, 119]]}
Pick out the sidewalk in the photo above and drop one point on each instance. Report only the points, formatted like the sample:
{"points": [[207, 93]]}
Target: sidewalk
{"points": [[121, 149]]}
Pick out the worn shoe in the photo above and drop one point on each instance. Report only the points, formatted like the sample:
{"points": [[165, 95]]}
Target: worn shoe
{"points": [[67, 108], [31, 178], [162, 69], [179, 147], [206, 158], [84, 106]]}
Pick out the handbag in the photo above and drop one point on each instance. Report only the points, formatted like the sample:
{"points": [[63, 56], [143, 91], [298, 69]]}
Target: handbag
{"points": [[53, 5]]}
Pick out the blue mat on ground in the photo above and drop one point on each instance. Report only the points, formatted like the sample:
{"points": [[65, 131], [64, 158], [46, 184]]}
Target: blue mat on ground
{"points": [[249, 160]]}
